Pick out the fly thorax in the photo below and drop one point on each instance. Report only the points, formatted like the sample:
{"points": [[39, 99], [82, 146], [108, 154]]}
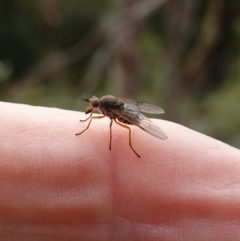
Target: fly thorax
{"points": [[109, 106]]}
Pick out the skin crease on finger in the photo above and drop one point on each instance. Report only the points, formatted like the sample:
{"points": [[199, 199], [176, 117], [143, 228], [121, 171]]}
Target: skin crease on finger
{"points": [[55, 185]]}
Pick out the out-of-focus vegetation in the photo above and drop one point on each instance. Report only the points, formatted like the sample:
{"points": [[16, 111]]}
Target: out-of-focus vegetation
{"points": [[182, 55]]}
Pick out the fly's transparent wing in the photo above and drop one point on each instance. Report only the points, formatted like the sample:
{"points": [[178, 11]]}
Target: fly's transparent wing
{"points": [[152, 129], [143, 106], [132, 114]]}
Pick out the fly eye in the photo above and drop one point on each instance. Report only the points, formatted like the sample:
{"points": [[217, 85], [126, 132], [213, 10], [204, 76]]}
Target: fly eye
{"points": [[95, 102]]}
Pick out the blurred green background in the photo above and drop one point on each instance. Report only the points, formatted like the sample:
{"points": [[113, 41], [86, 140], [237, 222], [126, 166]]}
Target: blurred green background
{"points": [[181, 55]]}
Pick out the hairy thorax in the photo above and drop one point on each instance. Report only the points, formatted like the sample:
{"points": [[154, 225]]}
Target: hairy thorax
{"points": [[111, 105]]}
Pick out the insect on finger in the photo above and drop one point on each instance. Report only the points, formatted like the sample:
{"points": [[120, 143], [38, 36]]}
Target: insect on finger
{"points": [[124, 112]]}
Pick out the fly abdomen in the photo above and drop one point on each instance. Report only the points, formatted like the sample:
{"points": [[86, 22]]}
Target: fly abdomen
{"points": [[120, 119]]}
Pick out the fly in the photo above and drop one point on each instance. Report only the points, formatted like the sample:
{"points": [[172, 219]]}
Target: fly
{"points": [[124, 111]]}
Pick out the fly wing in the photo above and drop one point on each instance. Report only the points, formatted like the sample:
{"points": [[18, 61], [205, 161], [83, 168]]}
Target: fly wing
{"points": [[132, 114], [144, 107]]}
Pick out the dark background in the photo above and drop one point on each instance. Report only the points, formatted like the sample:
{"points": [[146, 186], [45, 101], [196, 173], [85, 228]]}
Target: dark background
{"points": [[181, 55]]}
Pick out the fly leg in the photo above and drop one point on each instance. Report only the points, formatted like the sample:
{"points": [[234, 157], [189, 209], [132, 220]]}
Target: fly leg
{"points": [[94, 117], [87, 118], [110, 144], [129, 136]]}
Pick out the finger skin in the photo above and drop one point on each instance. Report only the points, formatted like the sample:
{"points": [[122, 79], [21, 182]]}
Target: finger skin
{"points": [[55, 185]]}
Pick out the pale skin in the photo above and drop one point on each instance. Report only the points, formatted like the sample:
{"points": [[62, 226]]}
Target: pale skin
{"points": [[55, 185]]}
